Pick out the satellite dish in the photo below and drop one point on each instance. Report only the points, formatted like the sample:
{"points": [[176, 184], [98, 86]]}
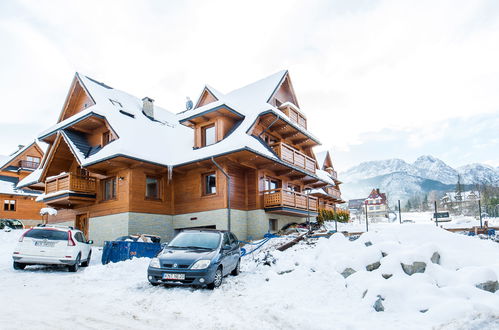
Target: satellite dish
{"points": [[188, 103]]}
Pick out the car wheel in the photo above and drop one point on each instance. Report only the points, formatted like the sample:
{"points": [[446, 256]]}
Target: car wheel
{"points": [[237, 270], [19, 266], [154, 283], [87, 262], [74, 268], [217, 281]]}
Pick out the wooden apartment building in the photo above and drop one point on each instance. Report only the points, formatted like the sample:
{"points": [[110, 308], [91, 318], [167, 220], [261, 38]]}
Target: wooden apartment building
{"points": [[20, 204], [118, 165]]}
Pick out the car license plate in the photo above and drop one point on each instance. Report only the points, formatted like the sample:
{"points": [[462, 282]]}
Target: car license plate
{"points": [[169, 276], [43, 243]]}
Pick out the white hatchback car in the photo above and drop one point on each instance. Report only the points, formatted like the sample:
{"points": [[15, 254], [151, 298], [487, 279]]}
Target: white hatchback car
{"points": [[52, 245]]}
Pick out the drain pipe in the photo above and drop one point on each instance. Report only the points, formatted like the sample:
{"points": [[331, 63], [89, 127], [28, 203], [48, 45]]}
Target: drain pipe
{"points": [[228, 190]]}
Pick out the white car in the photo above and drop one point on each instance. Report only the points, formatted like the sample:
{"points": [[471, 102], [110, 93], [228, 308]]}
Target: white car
{"points": [[52, 245]]}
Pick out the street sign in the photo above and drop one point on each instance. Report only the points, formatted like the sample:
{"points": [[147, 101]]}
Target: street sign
{"points": [[439, 215]]}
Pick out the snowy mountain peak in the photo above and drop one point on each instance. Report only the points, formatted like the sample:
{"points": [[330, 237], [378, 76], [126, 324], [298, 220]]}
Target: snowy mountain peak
{"points": [[479, 173], [434, 169]]}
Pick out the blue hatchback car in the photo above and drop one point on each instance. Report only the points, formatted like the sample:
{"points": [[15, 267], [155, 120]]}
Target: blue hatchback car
{"points": [[197, 258]]}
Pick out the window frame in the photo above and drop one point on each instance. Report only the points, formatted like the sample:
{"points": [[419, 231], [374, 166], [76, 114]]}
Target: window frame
{"points": [[114, 194], [106, 138], [269, 179], [203, 134], [273, 225], [158, 188], [204, 187], [9, 205]]}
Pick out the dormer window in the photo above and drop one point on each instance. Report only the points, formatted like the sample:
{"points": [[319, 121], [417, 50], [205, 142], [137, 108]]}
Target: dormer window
{"points": [[106, 138], [208, 135]]}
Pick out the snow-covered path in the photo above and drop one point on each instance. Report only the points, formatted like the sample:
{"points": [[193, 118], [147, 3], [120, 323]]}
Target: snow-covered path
{"points": [[303, 290]]}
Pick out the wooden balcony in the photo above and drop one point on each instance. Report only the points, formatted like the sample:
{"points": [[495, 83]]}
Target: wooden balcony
{"points": [[288, 202], [294, 157], [325, 205], [70, 189], [28, 164], [333, 192]]}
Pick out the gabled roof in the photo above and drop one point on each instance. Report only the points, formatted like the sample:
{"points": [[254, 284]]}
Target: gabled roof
{"points": [[8, 187], [8, 159], [164, 141]]}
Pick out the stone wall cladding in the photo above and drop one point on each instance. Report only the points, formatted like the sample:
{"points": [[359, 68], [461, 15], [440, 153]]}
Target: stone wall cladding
{"points": [[216, 218], [154, 224], [107, 228], [31, 223], [258, 222]]}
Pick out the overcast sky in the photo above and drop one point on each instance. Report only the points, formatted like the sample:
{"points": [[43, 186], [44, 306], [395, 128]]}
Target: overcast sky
{"points": [[376, 79]]}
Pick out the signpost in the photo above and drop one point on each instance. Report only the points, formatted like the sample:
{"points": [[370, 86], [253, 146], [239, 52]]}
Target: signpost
{"points": [[400, 215], [439, 215], [436, 219]]}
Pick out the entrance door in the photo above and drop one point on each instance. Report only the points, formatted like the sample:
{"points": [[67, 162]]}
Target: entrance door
{"points": [[81, 223]]}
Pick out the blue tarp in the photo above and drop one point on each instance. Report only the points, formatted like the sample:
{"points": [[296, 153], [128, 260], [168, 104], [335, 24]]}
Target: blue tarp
{"points": [[116, 251]]}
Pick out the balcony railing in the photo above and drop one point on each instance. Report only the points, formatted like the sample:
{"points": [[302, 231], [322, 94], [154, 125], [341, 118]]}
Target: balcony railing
{"points": [[28, 164], [294, 157], [288, 198], [333, 192], [70, 182]]}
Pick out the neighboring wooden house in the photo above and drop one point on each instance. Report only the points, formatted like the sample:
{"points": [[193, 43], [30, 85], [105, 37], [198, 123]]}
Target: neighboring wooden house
{"points": [[118, 165], [330, 195], [377, 204], [460, 200], [16, 203]]}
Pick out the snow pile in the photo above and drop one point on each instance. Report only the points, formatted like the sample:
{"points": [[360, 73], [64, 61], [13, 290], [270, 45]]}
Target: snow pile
{"points": [[48, 210], [300, 288]]}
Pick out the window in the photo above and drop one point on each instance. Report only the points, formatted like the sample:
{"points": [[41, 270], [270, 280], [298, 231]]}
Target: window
{"points": [[209, 183], [152, 188], [79, 238], [378, 207], [208, 135], [371, 208], [226, 240], [33, 159], [271, 183], [233, 239], [48, 234], [109, 189], [269, 139], [294, 187], [106, 138], [272, 225], [9, 205]]}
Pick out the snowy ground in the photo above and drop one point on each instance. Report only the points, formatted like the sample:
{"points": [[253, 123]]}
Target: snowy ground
{"points": [[422, 218], [302, 290]]}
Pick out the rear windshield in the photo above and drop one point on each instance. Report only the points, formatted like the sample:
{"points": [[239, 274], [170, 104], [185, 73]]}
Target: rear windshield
{"points": [[54, 235], [200, 240], [16, 222]]}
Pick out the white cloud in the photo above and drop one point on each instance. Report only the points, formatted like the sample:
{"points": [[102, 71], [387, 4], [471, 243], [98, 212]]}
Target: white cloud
{"points": [[357, 66]]}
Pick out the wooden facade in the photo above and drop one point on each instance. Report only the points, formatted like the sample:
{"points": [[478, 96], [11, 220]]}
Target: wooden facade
{"points": [[119, 184], [16, 204]]}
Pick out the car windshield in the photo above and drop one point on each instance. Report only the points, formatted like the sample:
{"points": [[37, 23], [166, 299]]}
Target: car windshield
{"points": [[203, 240], [50, 234], [16, 222]]}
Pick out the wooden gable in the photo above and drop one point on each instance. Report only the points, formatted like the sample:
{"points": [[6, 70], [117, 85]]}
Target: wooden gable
{"points": [[284, 93], [78, 99], [205, 98], [32, 151], [60, 159], [328, 163]]}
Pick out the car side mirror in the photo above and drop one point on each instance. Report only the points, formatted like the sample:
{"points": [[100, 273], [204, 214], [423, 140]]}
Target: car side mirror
{"points": [[226, 247], [90, 242]]}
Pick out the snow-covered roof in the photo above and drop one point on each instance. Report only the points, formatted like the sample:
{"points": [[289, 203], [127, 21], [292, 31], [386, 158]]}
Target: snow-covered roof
{"points": [[321, 158], [164, 141], [4, 160], [32, 178], [465, 195], [8, 187]]}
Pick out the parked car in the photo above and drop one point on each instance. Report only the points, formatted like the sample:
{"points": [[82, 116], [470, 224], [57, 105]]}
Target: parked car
{"points": [[52, 245], [197, 258], [11, 223], [140, 238]]}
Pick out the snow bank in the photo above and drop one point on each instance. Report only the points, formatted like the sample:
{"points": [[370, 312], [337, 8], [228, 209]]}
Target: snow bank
{"points": [[301, 289]]}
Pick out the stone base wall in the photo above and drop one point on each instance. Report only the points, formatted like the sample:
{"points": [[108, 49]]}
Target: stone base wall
{"points": [[31, 223], [245, 224]]}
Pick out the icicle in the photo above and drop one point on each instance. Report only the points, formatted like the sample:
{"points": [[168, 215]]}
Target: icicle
{"points": [[170, 173]]}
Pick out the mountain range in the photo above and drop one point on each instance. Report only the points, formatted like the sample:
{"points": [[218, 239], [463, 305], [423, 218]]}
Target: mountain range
{"points": [[402, 180]]}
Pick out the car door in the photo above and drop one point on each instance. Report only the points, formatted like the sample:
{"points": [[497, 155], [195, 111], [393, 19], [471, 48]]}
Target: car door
{"points": [[226, 254], [234, 244], [82, 245]]}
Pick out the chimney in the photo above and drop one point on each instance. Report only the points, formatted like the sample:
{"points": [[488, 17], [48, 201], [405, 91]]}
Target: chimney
{"points": [[377, 190], [148, 107]]}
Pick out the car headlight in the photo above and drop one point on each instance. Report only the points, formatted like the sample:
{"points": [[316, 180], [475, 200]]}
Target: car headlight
{"points": [[155, 263], [201, 264]]}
